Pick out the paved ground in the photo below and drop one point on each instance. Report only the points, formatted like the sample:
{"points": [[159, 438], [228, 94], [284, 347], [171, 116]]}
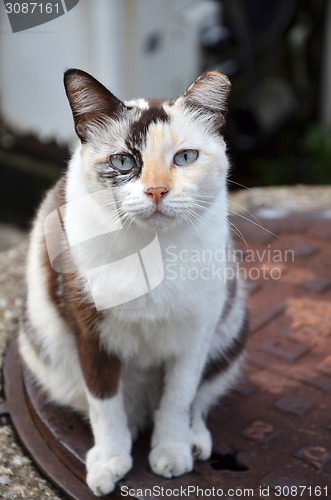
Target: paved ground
{"points": [[18, 478], [10, 236]]}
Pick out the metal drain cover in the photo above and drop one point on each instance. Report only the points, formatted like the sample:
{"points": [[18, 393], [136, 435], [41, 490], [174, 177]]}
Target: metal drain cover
{"points": [[274, 431]]}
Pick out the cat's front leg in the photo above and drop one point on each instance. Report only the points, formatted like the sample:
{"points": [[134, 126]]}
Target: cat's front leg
{"points": [[171, 453], [110, 458]]}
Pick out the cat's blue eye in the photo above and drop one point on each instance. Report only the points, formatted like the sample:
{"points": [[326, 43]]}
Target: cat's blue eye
{"points": [[124, 163], [185, 157]]}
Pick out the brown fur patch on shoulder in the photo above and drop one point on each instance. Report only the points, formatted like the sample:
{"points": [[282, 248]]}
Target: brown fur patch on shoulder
{"points": [[219, 365], [101, 370]]}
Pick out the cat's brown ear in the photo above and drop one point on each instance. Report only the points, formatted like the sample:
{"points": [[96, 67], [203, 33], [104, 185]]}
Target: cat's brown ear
{"points": [[90, 101], [209, 93]]}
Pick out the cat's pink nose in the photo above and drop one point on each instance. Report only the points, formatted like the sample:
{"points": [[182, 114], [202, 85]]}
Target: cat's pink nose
{"points": [[158, 193]]}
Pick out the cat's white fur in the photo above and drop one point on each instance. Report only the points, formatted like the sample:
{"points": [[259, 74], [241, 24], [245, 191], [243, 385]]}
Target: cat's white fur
{"points": [[175, 325]]}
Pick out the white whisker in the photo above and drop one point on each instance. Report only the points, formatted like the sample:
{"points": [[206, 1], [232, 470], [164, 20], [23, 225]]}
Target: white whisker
{"points": [[255, 223], [238, 233], [240, 185]]}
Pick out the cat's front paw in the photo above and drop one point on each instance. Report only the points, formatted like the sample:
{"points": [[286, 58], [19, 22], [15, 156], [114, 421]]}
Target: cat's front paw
{"points": [[103, 474], [171, 462]]}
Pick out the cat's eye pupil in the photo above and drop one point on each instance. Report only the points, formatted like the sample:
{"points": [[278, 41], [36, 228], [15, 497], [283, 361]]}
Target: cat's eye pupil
{"points": [[123, 162], [186, 157]]}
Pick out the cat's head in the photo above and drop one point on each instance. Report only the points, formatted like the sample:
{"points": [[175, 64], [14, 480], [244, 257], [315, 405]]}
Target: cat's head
{"points": [[165, 161]]}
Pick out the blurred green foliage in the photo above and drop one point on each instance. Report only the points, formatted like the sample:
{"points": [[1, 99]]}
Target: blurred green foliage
{"points": [[317, 147], [303, 155]]}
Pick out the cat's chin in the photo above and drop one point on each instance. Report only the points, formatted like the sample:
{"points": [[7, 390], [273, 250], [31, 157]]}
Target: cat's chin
{"points": [[157, 220]]}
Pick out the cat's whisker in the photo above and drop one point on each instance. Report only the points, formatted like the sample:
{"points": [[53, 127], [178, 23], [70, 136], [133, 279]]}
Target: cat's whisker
{"points": [[193, 224], [238, 233], [206, 203], [245, 209], [203, 222], [240, 185], [112, 222], [204, 198], [254, 223], [110, 204], [112, 225], [204, 207], [187, 217]]}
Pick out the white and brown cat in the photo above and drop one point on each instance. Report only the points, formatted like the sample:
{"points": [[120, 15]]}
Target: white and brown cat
{"points": [[167, 355]]}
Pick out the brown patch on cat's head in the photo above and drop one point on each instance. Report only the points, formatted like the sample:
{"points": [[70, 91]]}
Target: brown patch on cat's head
{"points": [[90, 101], [155, 113], [157, 172]]}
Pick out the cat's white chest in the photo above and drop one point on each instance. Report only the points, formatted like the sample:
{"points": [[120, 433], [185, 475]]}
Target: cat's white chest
{"points": [[164, 322]]}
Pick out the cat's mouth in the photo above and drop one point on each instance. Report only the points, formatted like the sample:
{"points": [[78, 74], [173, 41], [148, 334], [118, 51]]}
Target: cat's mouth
{"points": [[158, 212], [157, 216]]}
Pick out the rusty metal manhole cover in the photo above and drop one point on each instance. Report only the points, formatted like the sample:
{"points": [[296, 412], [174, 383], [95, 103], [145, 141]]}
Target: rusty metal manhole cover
{"points": [[275, 428]]}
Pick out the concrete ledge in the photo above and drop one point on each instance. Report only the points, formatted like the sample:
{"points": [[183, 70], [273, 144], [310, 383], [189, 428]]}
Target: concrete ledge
{"points": [[295, 199]]}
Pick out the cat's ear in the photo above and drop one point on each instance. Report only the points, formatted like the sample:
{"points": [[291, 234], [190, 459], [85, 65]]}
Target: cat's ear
{"points": [[90, 101], [209, 94]]}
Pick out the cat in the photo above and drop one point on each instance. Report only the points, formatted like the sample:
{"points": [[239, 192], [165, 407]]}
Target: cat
{"points": [[147, 182]]}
